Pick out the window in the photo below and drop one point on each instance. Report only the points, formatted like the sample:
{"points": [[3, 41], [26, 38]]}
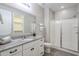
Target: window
{"points": [[18, 21]]}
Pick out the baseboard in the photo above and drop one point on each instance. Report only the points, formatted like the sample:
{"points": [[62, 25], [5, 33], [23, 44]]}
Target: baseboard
{"points": [[66, 50]]}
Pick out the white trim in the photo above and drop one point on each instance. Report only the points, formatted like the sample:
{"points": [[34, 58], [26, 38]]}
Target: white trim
{"points": [[66, 50]]}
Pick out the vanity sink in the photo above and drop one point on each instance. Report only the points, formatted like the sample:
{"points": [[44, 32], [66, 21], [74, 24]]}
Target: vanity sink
{"points": [[5, 40]]}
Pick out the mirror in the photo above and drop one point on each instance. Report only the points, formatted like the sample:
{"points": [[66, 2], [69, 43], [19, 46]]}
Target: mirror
{"points": [[39, 26], [29, 24], [5, 22], [23, 24], [18, 21]]}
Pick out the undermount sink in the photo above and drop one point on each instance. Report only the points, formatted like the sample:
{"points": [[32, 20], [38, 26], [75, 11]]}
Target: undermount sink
{"points": [[5, 40]]}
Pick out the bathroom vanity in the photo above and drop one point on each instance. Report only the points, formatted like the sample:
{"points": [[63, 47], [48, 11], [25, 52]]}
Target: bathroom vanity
{"points": [[32, 46]]}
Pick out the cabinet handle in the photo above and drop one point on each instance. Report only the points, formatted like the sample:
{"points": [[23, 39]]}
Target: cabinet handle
{"points": [[41, 53], [13, 51], [41, 45], [32, 49]]}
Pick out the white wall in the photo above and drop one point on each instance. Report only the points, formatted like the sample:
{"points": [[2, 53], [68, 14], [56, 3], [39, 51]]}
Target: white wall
{"points": [[52, 26], [49, 28], [57, 33], [34, 8], [46, 20], [37, 10], [66, 13], [49, 25]]}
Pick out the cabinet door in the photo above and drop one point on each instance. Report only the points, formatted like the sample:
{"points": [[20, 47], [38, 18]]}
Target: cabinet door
{"points": [[30, 49], [38, 47], [41, 46], [33, 51], [13, 51], [5, 22], [27, 52], [70, 34], [35, 48]]}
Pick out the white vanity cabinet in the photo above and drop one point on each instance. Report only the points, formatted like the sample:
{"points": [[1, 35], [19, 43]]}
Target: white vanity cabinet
{"points": [[35, 48], [16, 51], [32, 48]]}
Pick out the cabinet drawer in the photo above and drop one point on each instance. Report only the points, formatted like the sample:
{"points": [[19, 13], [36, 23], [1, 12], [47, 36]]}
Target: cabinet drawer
{"points": [[12, 51], [28, 45], [31, 44], [29, 52], [32, 51]]}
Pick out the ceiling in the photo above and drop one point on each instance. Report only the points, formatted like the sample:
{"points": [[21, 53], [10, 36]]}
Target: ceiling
{"points": [[58, 6]]}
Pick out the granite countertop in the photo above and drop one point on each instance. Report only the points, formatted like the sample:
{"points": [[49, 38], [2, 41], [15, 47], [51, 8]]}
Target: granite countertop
{"points": [[17, 42]]}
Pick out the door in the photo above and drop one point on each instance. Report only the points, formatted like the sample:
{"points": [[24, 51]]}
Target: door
{"points": [[70, 34]]}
